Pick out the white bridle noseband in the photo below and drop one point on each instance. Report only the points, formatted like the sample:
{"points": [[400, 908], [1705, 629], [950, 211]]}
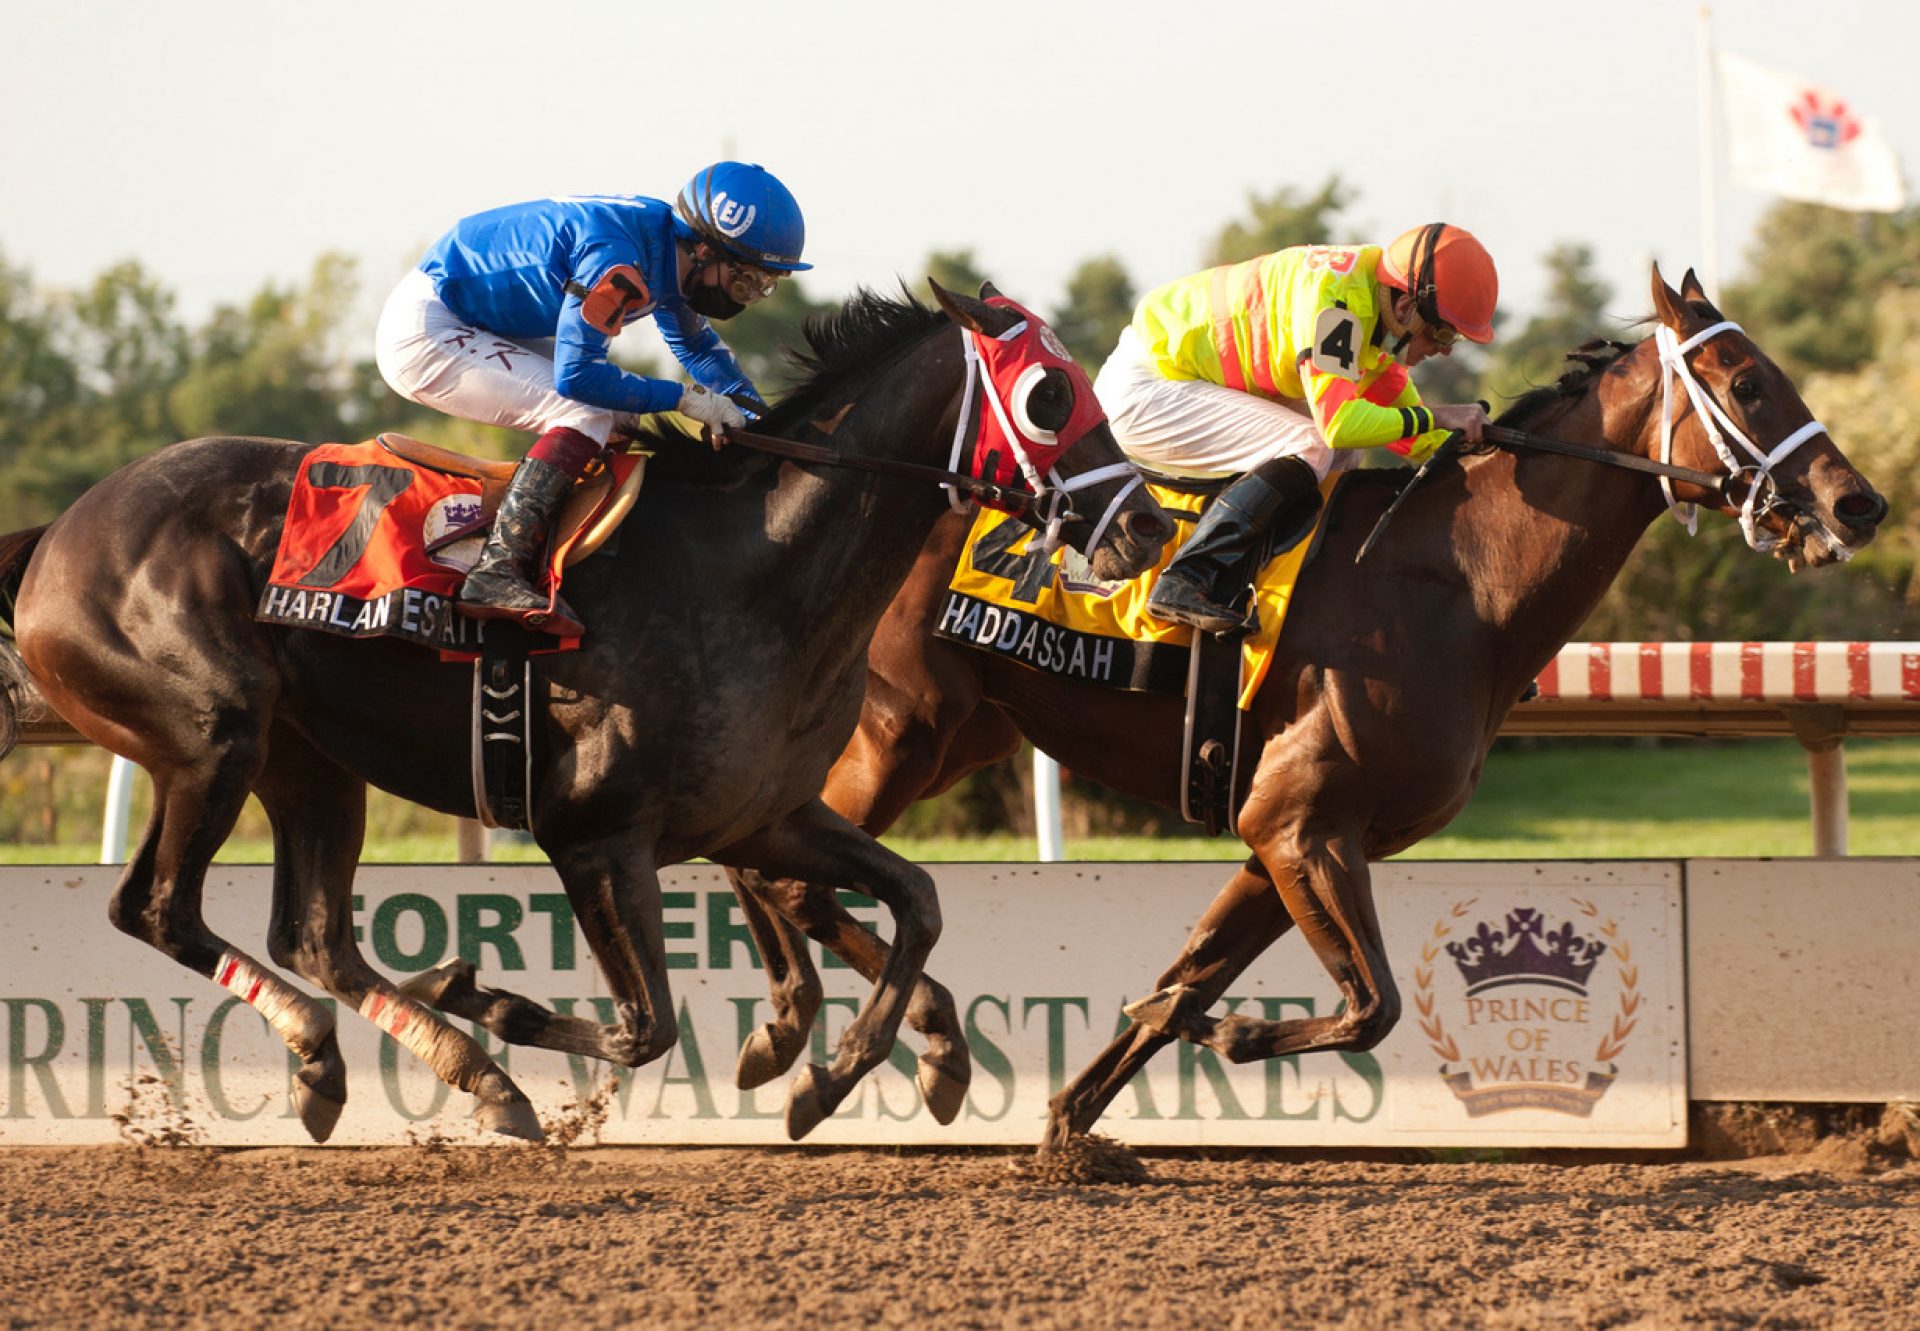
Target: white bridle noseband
{"points": [[1761, 490], [1051, 493]]}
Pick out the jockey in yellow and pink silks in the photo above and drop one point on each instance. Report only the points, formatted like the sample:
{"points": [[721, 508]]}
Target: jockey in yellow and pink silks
{"points": [[1267, 370]]}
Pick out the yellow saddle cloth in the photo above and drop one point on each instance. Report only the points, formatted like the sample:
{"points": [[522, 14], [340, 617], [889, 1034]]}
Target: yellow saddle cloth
{"points": [[1052, 614]]}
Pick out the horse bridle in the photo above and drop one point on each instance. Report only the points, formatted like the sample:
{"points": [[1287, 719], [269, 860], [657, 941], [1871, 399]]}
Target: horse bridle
{"points": [[1673, 364], [1053, 500], [1763, 492]]}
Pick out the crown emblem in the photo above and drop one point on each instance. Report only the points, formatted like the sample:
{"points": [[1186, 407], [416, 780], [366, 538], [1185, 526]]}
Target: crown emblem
{"points": [[1526, 953]]}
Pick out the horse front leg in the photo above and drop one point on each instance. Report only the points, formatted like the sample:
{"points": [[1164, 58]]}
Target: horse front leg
{"points": [[1242, 921], [1327, 889], [816, 845], [897, 756], [792, 982], [806, 910]]}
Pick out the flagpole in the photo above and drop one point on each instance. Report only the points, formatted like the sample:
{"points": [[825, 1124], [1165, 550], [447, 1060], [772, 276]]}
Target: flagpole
{"points": [[1709, 164]]}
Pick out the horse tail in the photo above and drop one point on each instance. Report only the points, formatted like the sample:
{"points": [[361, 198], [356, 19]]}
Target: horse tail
{"points": [[18, 700]]}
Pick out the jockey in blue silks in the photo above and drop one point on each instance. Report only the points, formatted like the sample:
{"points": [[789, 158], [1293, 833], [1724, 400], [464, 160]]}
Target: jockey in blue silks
{"points": [[509, 317]]}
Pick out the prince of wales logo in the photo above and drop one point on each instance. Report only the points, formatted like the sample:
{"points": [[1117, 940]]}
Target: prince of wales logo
{"points": [[1540, 1030]]}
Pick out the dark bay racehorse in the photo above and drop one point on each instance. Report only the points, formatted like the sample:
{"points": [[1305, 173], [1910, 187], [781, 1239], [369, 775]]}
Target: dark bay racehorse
{"points": [[1393, 679], [721, 676]]}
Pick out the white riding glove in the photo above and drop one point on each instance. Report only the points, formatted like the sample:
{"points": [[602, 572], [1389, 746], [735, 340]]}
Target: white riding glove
{"points": [[713, 410]]}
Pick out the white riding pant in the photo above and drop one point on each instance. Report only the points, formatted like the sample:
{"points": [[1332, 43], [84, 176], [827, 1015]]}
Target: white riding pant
{"points": [[429, 355], [1188, 427]]}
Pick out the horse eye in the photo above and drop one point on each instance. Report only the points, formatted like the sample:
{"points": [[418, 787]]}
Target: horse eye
{"points": [[1043, 403], [1747, 389]]}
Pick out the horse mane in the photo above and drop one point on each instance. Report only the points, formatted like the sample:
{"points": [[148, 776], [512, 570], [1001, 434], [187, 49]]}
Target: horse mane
{"points": [[844, 347], [1590, 360]]}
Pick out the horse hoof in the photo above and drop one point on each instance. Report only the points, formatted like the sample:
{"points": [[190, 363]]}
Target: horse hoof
{"points": [[510, 1118], [764, 1056], [432, 987], [943, 1085], [319, 1113], [1159, 1011], [807, 1106], [320, 1089]]}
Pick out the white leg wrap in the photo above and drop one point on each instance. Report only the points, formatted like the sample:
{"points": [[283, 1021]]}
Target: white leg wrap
{"points": [[454, 1058], [297, 1019]]}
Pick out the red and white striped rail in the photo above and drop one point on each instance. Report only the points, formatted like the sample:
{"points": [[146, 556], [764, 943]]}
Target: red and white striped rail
{"points": [[1775, 672], [1818, 691]]}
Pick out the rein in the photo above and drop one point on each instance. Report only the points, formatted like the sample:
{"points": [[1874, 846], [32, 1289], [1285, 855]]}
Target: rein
{"points": [[1049, 498], [830, 457], [1511, 439]]}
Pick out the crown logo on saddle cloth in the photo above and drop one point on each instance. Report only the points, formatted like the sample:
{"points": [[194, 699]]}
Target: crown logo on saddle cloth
{"points": [[1525, 952]]}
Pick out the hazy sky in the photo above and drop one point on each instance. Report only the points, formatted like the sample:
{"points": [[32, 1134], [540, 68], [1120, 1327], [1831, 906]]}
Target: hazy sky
{"points": [[225, 143]]}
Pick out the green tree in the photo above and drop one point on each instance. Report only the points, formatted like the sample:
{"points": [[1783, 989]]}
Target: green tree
{"points": [[1277, 220], [955, 270], [1812, 275], [1100, 299], [1575, 311], [763, 335], [110, 353], [275, 366]]}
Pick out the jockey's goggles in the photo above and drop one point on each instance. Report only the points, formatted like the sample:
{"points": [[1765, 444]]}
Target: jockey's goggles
{"points": [[747, 283], [1442, 335]]}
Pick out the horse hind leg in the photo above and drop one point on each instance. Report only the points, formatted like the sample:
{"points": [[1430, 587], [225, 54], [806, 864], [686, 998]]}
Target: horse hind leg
{"points": [[318, 812], [1243, 920], [159, 900], [945, 1070]]}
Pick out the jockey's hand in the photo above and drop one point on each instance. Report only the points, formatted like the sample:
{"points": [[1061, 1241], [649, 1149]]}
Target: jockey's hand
{"points": [[712, 410], [1466, 418]]}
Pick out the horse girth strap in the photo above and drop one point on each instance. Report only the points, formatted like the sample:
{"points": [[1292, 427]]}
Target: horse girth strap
{"points": [[799, 452]]}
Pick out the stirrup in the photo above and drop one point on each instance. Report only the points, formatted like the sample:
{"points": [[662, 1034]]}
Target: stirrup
{"points": [[1197, 609]]}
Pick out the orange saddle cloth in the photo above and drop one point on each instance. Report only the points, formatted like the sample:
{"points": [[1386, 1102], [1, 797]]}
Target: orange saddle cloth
{"points": [[364, 552]]}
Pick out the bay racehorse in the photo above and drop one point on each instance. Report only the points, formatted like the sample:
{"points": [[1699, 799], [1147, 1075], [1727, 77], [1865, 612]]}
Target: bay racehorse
{"points": [[1393, 679], [721, 675]]}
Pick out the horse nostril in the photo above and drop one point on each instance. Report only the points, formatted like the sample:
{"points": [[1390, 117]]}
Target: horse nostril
{"points": [[1861, 510], [1149, 528]]}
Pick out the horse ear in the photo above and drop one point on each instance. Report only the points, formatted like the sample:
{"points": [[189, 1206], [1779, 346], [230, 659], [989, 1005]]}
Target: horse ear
{"points": [[963, 310], [1667, 302], [1696, 296], [988, 291], [987, 320]]}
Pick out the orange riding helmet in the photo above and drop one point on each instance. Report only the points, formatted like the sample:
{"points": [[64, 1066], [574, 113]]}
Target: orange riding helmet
{"points": [[1450, 276]]}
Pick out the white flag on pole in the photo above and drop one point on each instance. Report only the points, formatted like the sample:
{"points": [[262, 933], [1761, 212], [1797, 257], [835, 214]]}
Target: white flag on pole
{"points": [[1802, 141]]}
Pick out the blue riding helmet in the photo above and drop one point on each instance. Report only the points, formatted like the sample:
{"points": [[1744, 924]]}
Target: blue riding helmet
{"points": [[745, 211]]}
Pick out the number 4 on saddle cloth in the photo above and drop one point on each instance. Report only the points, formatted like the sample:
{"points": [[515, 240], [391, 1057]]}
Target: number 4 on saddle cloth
{"points": [[1052, 614], [379, 536]]}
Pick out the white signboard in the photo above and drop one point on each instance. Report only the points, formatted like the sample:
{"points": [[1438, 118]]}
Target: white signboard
{"points": [[1542, 1006]]}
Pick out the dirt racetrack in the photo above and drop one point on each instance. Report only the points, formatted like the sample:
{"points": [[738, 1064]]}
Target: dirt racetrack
{"points": [[152, 1236]]}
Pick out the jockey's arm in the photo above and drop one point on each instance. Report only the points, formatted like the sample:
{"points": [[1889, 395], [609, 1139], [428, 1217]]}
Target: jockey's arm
{"points": [[1384, 412], [698, 347], [583, 372]]}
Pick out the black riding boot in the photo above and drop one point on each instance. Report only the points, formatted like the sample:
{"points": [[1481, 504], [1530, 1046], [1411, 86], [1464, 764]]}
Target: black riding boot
{"points": [[501, 584], [1225, 535]]}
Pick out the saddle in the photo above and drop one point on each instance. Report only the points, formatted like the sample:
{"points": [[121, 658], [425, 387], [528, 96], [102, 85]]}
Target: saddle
{"points": [[586, 520]]}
